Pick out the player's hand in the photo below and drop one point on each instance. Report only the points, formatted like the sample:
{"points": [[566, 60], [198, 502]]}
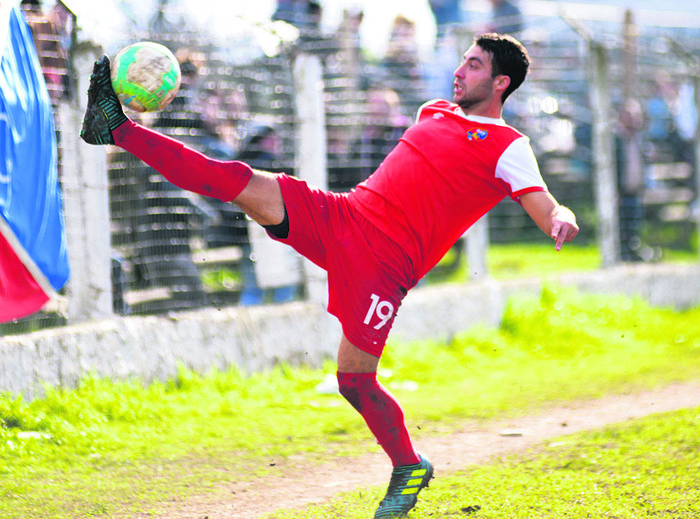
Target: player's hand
{"points": [[564, 226]]}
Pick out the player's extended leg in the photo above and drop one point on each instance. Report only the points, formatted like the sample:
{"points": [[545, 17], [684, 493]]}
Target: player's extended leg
{"points": [[255, 192], [357, 381]]}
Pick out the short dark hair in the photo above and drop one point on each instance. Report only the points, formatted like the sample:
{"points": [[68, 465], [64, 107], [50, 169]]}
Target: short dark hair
{"points": [[508, 58]]}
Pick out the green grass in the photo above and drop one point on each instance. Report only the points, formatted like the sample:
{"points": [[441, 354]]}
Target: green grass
{"points": [[510, 260], [643, 468], [506, 261], [118, 449]]}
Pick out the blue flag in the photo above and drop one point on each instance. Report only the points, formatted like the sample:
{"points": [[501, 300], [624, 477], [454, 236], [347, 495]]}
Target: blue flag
{"points": [[33, 255]]}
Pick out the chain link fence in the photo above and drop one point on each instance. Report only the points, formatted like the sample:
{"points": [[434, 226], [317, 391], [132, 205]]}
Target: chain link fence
{"points": [[172, 250]]}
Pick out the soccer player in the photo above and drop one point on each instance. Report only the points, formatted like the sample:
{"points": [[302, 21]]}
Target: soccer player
{"points": [[452, 166]]}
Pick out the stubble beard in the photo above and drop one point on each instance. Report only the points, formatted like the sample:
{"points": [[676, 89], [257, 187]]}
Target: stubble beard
{"points": [[468, 99]]}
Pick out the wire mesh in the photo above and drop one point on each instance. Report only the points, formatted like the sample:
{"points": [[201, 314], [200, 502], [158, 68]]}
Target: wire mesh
{"points": [[173, 250]]}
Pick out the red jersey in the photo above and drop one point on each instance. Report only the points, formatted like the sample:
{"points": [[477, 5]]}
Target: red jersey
{"points": [[447, 171]]}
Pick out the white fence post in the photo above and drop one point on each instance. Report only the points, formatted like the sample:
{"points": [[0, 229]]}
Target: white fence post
{"points": [[477, 246], [604, 168], [86, 206], [311, 149], [606, 195]]}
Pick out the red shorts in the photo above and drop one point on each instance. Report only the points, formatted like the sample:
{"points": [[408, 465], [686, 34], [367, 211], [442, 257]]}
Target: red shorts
{"points": [[368, 274]]}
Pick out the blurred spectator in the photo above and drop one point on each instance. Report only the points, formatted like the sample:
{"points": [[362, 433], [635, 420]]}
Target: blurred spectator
{"points": [[262, 150], [343, 173], [686, 119], [672, 120], [631, 183], [630, 126], [181, 117], [219, 138], [385, 124], [346, 76], [446, 13], [166, 216], [401, 65], [52, 34], [303, 14], [348, 37], [402, 47], [306, 16], [661, 129], [505, 17], [162, 21]]}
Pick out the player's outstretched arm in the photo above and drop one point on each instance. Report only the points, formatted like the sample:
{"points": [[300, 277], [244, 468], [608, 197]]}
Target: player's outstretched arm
{"points": [[555, 220]]}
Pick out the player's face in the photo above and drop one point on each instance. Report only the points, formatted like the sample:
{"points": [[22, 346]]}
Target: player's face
{"points": [[473, 85]]}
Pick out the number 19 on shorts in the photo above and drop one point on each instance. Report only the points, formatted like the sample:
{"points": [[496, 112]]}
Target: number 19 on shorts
{"points": [[383, 309]]}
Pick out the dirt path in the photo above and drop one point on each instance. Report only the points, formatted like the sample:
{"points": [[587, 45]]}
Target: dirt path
{"points": [[473, 444]]}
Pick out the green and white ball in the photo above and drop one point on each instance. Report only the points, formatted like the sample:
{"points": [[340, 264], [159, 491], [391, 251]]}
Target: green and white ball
{"points": [[146, 76]]}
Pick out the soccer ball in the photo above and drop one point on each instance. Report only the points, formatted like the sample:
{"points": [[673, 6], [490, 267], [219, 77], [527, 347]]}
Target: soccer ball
{"points": [[146, 76]]}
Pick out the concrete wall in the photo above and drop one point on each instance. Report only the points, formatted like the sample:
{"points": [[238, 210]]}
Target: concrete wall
{"points": [[255, 338]]}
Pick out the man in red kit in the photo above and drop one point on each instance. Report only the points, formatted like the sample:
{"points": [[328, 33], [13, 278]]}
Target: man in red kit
{"points": [[453, 165]]}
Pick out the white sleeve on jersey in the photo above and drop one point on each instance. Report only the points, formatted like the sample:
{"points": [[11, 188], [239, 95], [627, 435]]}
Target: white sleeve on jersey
{"points": [[518, 166], [420, 109]]}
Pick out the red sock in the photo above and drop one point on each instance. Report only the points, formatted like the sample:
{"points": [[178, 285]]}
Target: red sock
{"points": [[183, 166], [383, 415]]}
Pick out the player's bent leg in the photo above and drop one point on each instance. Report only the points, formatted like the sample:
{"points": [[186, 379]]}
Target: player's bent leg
{"points": [[352, 359], [382, 413], [262, 199], [183, 166], [357, 382], [257, 193], [106, 123]]}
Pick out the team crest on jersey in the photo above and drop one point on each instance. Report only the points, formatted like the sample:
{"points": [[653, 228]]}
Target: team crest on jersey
{"points": [[477, 134]]}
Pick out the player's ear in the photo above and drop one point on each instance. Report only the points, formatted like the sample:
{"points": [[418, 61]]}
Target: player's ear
{"points": [[501, 82]]}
